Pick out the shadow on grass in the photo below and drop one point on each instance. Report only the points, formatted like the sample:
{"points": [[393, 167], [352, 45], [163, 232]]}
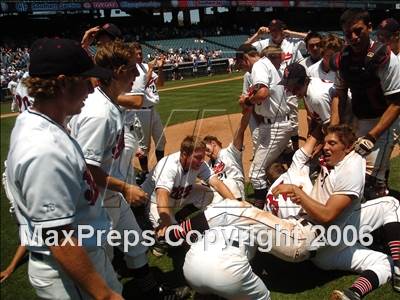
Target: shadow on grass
{"points": [[290, 278]]}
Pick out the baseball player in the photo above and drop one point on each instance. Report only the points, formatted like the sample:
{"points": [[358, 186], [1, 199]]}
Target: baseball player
{"points": [[371, 72], [59, 72], [275, 55], [314, 43], [335, 201], [21, 99], [321, 69], [247, 65], [227, 162], [171, 183], [389, 33], [99, 131], [274, 129], [290, 45], [148, 116], [318, 94]]}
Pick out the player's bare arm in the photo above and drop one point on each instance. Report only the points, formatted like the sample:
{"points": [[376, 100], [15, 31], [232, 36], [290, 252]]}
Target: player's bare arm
{"points": [[387, 119], [221, 188], [19, 254], [295, 34], [75, 261], [130, 101], [321, 213], [163, 207], [133, 194], [261, 31], [261, 95], [239, 135], [335, 119], [89, 36], [160, 61]]}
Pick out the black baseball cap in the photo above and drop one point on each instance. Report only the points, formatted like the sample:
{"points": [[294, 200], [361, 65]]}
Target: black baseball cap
{"points": [[111, 30], [295, 73], [277, 24], [55, 56], [389, 25]]}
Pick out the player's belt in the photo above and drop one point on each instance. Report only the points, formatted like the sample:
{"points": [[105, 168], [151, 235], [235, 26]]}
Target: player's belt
{"points": [[37, 256], [147, 107]]}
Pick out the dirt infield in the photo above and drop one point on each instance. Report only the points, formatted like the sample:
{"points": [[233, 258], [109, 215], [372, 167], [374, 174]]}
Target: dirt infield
{"points": [[222, 127]]}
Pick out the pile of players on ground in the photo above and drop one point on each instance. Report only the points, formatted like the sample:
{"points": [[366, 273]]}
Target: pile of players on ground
{"points": [[71, 157]]}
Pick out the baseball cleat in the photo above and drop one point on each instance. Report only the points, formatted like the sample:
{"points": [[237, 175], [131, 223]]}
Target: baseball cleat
{"points": [[345, 295]]}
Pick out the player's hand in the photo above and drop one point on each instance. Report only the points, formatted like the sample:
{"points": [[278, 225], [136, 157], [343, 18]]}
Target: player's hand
{"points": [[5, 274], [160, 60], [262, 30], [89, 36], [286, 190], [364, 145], [134, 195]]}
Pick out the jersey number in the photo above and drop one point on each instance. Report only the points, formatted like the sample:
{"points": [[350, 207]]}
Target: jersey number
{"points": [[180, 192]]}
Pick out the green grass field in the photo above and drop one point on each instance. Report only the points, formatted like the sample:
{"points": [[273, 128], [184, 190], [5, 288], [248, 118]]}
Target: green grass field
{"points": [[284, 280]]}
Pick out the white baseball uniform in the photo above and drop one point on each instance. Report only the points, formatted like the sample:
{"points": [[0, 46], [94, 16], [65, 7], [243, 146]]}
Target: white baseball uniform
{"points": [[275, 130], [316, 70], [290, 47], [229, 168], [298, 174], [168, 174], [347, 178], [59, 194], [99, 131], [318, 100], [149, 117], [223, 269], [21, 98], [378, 159]]}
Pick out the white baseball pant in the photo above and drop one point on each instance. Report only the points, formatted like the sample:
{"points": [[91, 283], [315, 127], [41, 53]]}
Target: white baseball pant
{"points": [[378, 160], [224, 271], [152, 127], [273, 139], [123, 219], [51, 282], [358, 258]]}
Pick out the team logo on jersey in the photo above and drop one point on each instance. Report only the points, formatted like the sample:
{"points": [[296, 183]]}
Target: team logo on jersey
{"points": [[218, 167], [273, 204], [120, 145], [179, 192], [92, 193]]}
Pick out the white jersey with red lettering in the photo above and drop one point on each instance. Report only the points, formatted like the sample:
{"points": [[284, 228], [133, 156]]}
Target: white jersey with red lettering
{"points": [[100, 132], [290, 47], [21, 98], [49, 181], [168, 174], [229, 168], [318, 100], [345, 178], [151, 95], [298, 174]]}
